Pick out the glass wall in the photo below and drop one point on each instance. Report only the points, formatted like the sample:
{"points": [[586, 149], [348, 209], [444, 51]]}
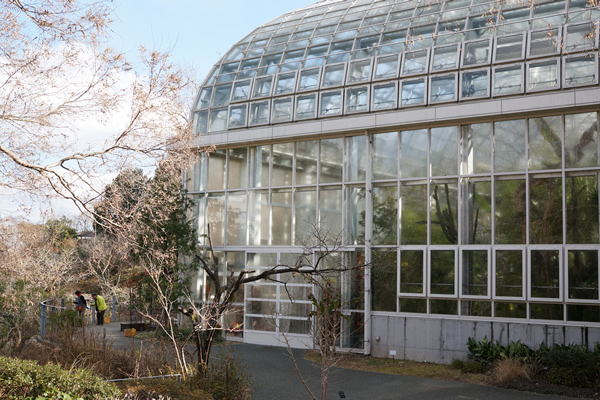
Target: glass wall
{"points": [[496, 219]]}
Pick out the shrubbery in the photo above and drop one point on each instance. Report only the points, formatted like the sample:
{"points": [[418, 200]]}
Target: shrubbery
{"points": [[21, 379], [572, 365]]}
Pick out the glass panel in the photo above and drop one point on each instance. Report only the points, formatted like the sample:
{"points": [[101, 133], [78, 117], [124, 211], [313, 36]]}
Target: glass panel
{"points": [[384, 278], [331, 159], [514, 20], [545, 274], [236, 219], [360, 71], [237, 168], [306, 106], [262, 259], [285, 83], [443, 88], [580, 37], [216, 170], [476, 308], [331, 103], [215, 210], [444, 307], [282, 110], [387, 67], [218, 120], [392, 43], [581, 70], [413, 214], [581, 140], [509, 151], [445, 58], [259, 166], [475, 53], [442, 272], [545, 211], [582, 209], [266, 324], [413, 92], [444, 213], [233, 321], [475, 84], [583, 313], [544, 42], [509, 273], [305, 208], [281, 224], [204, 99], [415, 63], [357, 99], [545, 143], [477, 214], [201, 122], [413, 153], [384, 96], [306, 162], [259, 113], [309, 79], [510, 211], [221, 96], [356, 157], [411, 271], [258, 213], [510, 310], [543, 75], [549, 14], [385, 156], [330, 213], [315, 56], [237, 116], [340, 52], [583, 274], [385, 215], [355, 216], [444, 151], [475, 272], [283, 160], [269, 65], [262, 87], [412, 305], [508, 80], [477, 148]]}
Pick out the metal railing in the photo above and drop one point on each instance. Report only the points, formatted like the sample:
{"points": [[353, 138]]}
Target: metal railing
{"points": [[46, 309]]}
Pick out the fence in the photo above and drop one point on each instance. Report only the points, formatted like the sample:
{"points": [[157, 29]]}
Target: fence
{"points": [[48, 307]]}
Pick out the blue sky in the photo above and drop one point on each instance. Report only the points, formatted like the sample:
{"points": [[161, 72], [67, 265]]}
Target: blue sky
{"points": [[199, 32]]}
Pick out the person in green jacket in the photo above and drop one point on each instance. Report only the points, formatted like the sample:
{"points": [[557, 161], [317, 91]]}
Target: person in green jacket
{"points": [[100, 308]]}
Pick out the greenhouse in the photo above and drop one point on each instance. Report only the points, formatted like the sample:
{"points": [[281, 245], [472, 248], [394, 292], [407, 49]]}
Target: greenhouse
{"points": [[450, 146]]}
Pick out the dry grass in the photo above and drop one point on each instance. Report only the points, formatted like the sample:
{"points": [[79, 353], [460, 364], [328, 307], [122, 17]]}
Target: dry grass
{"points": [[509, 369], [403, 367]]}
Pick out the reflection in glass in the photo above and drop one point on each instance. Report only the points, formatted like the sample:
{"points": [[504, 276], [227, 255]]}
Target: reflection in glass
{"points": [[544, 42], [306, 106], [237, 116], [355, 212], [413, 305], [357, 99], [415, 62], [475, 84], [442, 271], [413, 92], [204, 99], [386, 67], [477, 148], [582, 209], [305, 209], [509, 151], [510, 213], [384, 96], [583, 274], [385, 156], [283, 160], [543, 75], [413, 214], [413, 153], [306, 162], [330, 212], [545, 143], [218, 120], [237, 168], [509, 273], [444, 213], [545, 210], [215, 210], [385, 215], [411, 271], [216, 170], [309, 79], [360, 71], [445, 58], [259, 166], [201, 122], [545, 274], [331, 103], [356, 158], [221, 96], [281, 212], [331, 159], [510, 310], [477, 211], [384, 277], [444, 151], [581, 140], [508, 80], [262, 87], [258, 218], [509, 48], [285, 83], [546, 311], [241, 90], [579, 37], [476, 308], [581, 70], [443, 88], [259, 113], [282, 110], [475, 272], [475, 53]]}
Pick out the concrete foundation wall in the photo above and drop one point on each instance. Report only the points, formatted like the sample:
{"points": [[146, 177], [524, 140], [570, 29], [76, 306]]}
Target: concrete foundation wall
{"points": [[442, 340]]}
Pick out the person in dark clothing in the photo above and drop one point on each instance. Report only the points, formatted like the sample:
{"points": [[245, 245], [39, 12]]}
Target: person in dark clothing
{"points": [[80, 304]]}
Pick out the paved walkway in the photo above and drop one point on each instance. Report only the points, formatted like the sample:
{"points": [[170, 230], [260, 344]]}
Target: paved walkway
{"points": [[274, 378]]}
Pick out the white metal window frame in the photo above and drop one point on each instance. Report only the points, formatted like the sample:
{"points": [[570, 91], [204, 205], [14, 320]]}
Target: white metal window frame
{"points": [[278, 78], [587, 45], [424, 290], [407, 57], [347, 97], [457, 49], [462, 97], [508, 66], [523, 47], [340, 91], [524, 272], [404, 82], [578, 247], [561, 269], [432, 78], [430, 250], [398, 58], [281, 100], [461, 250], [308, 70], [467, 43], [256, 84], [531, 64], [343, 66], [591, 57], [555, 39], [256, 104], [245, 124], [349, 71], [298, 99], [375, 86]]}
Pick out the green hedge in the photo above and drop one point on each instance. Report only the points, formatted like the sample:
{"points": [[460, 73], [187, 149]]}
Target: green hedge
{"points": [[23, 379]]}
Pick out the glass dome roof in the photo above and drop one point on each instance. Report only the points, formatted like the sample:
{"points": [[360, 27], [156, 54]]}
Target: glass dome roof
{"points": [[338, 57]]}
